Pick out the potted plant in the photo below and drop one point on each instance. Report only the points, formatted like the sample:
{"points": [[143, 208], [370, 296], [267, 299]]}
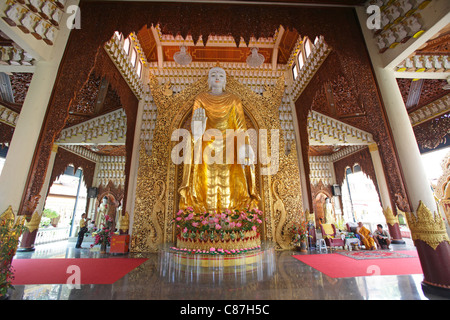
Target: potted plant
{"points": [[9, 240], [299, 235], [52, 215], [103, 235]]}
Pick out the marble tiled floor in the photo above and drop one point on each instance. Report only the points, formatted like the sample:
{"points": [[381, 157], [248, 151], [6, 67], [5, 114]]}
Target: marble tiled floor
{"points": [[290, 280]]}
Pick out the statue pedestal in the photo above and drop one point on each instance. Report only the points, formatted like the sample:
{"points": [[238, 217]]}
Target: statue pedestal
{"points": [[178, 265], [251, 240]]}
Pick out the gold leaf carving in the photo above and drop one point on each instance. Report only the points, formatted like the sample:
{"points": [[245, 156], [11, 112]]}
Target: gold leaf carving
{"points": [[124, 222], [33, 224], [279, 210], [156, 190], [427, 227], [389, 215]]}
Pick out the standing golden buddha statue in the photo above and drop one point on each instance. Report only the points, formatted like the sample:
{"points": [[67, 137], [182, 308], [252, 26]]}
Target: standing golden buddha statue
{"points": [[221, 175]]}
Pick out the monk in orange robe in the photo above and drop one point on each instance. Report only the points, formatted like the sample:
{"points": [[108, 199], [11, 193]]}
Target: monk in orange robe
{"points": [[366, 237]]}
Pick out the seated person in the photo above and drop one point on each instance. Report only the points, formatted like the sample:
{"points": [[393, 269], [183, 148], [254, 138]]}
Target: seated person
{"points": [[381, 237], [365, 237]]}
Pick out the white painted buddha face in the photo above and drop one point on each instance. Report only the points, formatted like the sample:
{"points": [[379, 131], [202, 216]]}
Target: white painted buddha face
{"points": [[217, 79]]}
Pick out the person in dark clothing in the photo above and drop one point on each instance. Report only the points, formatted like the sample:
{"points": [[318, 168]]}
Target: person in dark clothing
{"points": [[83, 230]]}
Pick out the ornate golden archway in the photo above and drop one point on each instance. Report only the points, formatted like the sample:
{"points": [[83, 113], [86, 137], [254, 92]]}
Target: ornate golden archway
{"points": [[156, 194]]}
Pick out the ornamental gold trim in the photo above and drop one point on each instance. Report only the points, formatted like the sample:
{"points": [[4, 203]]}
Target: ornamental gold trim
{"points": [[8, 217], [427, 227], [124, 222], [13, 223], [391, 219], [251, 240], [373, 147], [33, 224]]}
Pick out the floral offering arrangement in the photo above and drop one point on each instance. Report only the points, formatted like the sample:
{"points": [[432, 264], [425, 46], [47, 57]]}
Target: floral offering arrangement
{"points": [[298, 232], [228, 232], [10, 233], [103, 235], [232, 223]]}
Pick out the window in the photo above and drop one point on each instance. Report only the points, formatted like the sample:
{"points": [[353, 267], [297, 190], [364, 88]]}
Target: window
{"points": [[294, 71], [139, 69], [300, 60], [133, 57], [126, 45], [307, 47]]}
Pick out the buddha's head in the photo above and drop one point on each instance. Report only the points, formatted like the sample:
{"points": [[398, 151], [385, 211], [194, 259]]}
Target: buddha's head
{"points": [[217, 79]]}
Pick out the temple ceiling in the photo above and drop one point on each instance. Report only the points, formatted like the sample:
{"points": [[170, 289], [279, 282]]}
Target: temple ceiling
{"points": [[217, 48], [97, 97]]}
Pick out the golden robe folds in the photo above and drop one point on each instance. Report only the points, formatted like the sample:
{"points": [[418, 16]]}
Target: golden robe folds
{"points": [[209, 187]]}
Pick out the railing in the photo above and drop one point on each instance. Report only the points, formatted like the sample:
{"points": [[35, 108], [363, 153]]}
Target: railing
{"points": [[50, 234]]}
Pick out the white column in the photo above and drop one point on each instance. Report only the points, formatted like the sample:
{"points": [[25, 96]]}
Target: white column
{"points": [[92, 201], [305, 199], [417, 183], [381, 178], [134, 166], [47, 181], [26, 134]]}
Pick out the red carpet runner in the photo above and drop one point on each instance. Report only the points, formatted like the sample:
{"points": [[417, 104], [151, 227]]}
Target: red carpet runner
{"points": [[59, 271], [336, 265]]}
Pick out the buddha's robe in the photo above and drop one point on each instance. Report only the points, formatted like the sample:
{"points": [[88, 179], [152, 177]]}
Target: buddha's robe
{"points": [[209, 187]]}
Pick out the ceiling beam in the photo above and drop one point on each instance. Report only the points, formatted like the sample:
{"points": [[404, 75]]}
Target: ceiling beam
{"points": [[275, 48], [159, 51], [103, 90], [421, 75]]}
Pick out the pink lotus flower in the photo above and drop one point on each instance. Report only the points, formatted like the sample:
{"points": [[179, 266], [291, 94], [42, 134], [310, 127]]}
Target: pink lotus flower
{"points": [[190, 216], [185, 230], [195, 224], [179, 212], [212, 250], [232, 224], [238, 225], [254, 228], [190, 209], [178, 218], [259, 221], [218, 227], [204, 222]]}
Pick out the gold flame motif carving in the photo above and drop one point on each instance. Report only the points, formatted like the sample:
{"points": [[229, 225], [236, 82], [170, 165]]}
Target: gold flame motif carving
{"points": [[427, 227]]}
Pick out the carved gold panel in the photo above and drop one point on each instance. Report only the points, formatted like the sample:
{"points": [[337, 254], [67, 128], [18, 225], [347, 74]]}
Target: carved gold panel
{"points": [[156, 200]]}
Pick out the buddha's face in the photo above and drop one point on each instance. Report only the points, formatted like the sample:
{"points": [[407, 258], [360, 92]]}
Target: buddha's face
{"points": [[217, 78]]}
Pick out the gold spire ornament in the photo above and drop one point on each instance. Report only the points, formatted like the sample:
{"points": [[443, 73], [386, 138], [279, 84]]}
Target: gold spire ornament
{"points": [[427, 227], [124, 222], [389, 215], [33, 224]]}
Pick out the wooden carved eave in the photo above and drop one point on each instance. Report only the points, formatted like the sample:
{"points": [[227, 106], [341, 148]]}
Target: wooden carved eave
{"points": [[431, 134], [364, 159], [6, 134], [64, 158]]}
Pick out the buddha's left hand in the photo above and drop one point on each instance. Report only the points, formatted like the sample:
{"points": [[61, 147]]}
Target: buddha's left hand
{"points": [[246, 156]]}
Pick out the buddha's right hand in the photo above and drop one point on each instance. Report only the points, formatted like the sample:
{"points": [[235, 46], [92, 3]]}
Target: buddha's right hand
{"points": [[198, 124]]}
